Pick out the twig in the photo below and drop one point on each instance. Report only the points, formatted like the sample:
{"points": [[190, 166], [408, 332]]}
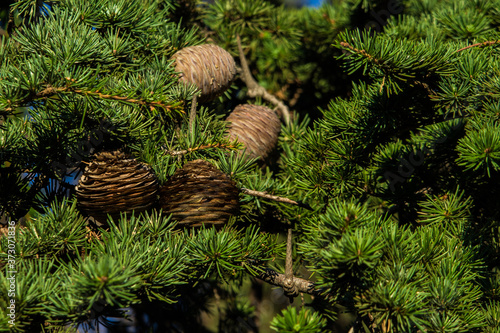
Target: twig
{"points": [[277, 279], [189, 150], [275, 198], [50, 90], [487, 43], [425, 86], [296, 96], [192, 113], [382, 85], [289, 287], [380, 63], [256, 90], [362, 52]]}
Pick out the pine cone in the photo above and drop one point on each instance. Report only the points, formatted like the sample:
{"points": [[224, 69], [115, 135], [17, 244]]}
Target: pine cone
{"points": [[209, 67], [114, 182], [199, 193], [256, 127]]}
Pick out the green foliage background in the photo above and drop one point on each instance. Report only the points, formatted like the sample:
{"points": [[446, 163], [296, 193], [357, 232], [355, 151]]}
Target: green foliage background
{"points": [[394, 143]]}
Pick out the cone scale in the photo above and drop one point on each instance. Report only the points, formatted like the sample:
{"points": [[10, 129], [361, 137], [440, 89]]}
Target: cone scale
{"points": [[199, 194], [211, 68], [113, 183], [256, 127]]}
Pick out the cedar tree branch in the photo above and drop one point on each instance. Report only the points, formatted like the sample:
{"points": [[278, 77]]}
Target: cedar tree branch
{"points": [[256, 90], [50, 91], [274, 198], [277, 279], [487, 43], [289, 287], [202, 147]]}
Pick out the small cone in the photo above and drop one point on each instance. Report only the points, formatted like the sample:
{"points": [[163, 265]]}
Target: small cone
{"points": [[256, 127], [113, 183], [198, 194], [211, 68]]}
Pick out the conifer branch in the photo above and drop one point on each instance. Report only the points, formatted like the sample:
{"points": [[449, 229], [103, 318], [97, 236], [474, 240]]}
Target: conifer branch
{"points": [[362, 52], [277, 279], [482, 44], [202, 147], [256, 90], [296, 96], [289, 287], [274, 198], [50, 91], [380, 63]]}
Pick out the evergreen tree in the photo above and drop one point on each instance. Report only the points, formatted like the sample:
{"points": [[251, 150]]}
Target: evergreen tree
{"points": [[136, 189]]}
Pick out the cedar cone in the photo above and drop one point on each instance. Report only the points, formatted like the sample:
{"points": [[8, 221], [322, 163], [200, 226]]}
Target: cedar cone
{"points": [[256, 127], [114, 182], [211, 68], [199, 193]]}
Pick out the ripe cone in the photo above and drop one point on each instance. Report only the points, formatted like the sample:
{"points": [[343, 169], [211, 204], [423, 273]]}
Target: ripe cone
{"points": [[211, 68], [114, 182], [256, 127], [199, 193]]}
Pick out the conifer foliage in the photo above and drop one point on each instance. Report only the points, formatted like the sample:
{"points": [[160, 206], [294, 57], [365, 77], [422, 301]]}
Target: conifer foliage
{"points": [[360, 176]]}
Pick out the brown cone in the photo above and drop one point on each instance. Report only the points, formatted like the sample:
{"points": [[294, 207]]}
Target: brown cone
{"points": [[199, 193], [114, 182], [209, 67], [256, 127]]}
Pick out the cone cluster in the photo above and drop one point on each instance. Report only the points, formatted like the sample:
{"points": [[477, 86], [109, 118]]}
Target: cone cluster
{"points": [[256, 127], [114, 182], [198, 194], [211, 68]]}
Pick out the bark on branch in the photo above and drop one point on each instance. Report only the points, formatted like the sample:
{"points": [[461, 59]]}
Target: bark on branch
{"points": [[483, 44], [50, 91], [277, 279], [256, 90], [289, 287], [274, 198]]}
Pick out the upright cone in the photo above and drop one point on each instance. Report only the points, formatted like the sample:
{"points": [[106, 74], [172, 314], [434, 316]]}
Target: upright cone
{"points": [[211, 68], [198, 194], [256, 127], [113, 183]]}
